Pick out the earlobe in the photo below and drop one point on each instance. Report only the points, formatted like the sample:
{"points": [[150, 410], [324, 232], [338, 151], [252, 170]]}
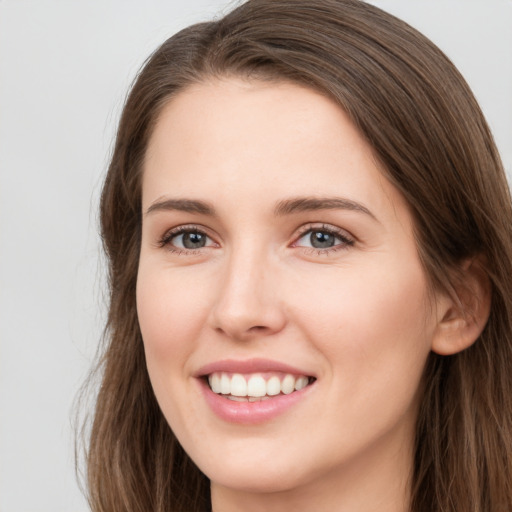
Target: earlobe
{"points": [[463, 316]]}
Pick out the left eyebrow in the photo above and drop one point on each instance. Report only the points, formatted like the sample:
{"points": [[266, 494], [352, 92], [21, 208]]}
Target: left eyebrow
{"points": [[304, 204]]}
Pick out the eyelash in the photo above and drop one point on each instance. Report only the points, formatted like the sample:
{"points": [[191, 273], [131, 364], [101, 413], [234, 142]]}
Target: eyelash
{"points": [[165, 241], [346, 240]]}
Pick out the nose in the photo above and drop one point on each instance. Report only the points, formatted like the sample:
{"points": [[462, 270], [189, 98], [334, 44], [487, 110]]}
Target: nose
{"points": [[248, 300]]}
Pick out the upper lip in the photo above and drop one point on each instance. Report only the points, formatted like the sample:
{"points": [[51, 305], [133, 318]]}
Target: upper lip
{"points": [[249, 366]]}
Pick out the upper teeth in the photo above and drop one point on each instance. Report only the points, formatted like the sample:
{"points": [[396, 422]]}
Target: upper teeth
{"points": [[255, 385]]}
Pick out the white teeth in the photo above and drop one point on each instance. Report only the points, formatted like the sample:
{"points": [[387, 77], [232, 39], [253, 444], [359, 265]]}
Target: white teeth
{"points": [[273, 386], [225, 384], [215, 383], [301, 383], [253, 388], [288, 384], [238, 385], [256, 386], [247, 398]]}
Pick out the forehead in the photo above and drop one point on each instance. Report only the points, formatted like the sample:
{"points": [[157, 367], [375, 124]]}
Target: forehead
{"points": [[226, 112], [250, 138]]}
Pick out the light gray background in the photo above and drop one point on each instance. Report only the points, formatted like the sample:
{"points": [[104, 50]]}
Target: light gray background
{"points": [[64, 69]]}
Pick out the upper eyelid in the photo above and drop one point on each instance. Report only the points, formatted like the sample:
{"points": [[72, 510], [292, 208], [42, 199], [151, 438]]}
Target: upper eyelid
{"points": [[188, 227], [322, 226]]}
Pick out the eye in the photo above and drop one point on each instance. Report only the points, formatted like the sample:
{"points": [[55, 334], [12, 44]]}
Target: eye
{"points": [[324, 238], [186, 238], [190, 240]]}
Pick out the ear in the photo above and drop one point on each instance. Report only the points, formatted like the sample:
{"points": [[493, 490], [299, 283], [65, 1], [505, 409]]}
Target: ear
{"points": [[463, 315]]}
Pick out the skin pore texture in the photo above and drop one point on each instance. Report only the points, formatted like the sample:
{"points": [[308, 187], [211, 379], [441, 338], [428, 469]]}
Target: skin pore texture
{"points": [[269, 232]]}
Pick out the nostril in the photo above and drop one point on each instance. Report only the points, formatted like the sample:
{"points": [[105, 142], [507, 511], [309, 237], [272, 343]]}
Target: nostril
{"points": [[258, 328]]}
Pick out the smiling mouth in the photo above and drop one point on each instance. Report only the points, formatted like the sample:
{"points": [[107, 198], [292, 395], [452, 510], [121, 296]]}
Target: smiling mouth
{"points": [[256, 387]]}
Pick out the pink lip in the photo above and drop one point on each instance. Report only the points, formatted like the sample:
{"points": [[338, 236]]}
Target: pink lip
{"points": [[249, 366], [250, 412]]}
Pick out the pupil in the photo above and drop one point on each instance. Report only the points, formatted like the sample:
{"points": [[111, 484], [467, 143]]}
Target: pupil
{"points": [[193, 240], [321, 240]]}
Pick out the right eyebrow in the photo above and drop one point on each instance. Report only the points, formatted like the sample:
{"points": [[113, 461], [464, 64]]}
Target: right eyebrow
{"points": [[183, 205]]}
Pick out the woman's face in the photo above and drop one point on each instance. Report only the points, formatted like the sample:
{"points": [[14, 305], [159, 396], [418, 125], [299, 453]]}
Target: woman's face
{"points": [[275, 256]]}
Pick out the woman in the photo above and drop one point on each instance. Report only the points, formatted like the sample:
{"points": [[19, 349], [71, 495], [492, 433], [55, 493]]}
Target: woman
{"points": [[309, 235]]}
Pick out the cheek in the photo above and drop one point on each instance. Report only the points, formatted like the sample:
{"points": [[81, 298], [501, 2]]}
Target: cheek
{"points": [[170, 316], [371, 325], [171, 310], [362, 299]]}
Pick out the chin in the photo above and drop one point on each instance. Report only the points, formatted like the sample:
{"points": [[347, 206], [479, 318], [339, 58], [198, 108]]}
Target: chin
{"points": [[259, 480], [262, 471]]}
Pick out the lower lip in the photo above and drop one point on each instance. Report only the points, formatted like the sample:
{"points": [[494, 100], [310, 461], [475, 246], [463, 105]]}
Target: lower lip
{"points": [[251, 412]]}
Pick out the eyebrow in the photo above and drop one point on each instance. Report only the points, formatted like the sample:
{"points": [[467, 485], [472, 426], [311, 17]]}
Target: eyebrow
{"points": [[183, 205], [282, 208], [304, 204]]}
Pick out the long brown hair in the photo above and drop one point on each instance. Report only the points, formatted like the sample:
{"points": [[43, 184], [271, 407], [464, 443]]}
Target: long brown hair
{"points": [[426, 129]]}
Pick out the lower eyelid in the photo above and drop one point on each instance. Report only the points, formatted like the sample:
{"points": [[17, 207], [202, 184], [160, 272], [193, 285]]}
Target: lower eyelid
{"points": [[313, 251]]}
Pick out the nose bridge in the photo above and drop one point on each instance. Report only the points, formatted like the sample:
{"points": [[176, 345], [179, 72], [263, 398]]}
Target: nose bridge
{"points": [[247, 302]]}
